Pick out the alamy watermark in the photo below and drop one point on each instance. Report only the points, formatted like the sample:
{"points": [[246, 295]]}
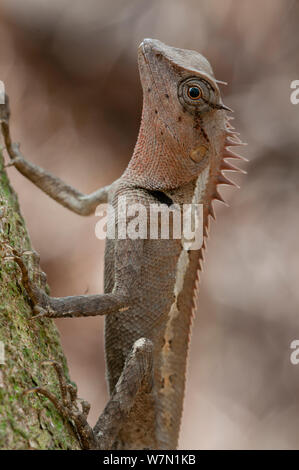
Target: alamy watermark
{"points": [[294, 357], [153, 221], [294, 97]]}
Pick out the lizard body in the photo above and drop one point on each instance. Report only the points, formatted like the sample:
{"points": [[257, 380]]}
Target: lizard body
{"points": [[150, 285]]}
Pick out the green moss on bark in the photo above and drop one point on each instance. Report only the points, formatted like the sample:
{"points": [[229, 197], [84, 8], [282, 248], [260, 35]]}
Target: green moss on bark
{"points": [[26, 421]]}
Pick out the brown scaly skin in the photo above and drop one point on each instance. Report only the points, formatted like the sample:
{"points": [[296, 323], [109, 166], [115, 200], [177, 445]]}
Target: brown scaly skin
{"points": [[149, 284]]}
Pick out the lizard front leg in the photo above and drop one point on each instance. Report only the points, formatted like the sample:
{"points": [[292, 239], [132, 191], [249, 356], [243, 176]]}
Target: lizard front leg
{"points": [[72, 306], [61, 192], [127, 255]]}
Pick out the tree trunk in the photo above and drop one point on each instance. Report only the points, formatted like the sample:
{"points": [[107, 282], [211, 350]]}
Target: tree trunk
{"points": [[27, 421]]}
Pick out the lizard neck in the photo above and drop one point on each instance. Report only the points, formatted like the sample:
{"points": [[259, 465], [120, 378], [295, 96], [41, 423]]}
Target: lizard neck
{"points": [[161, 159]]}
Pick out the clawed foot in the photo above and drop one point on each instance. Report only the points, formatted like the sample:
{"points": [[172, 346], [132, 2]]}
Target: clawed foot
{"points": [[68, 406], [38, 296]]}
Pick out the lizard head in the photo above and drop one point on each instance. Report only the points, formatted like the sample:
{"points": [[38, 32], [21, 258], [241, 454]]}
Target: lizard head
{"points": [[184, 128]]}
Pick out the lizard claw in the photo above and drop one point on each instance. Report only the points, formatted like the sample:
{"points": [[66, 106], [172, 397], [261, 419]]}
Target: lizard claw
{"points": [[68, 406], [39, 312]]}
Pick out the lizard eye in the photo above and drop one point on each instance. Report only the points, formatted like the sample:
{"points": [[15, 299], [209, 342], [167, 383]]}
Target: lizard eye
{"points": [[194, 92], [197, 95]]}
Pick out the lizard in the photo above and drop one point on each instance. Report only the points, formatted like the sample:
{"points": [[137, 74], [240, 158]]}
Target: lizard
{"points": [[184, 144]]}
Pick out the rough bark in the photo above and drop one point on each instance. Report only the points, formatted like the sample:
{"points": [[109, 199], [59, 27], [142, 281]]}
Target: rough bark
{"points": [[27, 421]]}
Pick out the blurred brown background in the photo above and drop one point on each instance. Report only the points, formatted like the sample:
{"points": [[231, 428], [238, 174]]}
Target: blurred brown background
{"points": [[70, 69]]}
